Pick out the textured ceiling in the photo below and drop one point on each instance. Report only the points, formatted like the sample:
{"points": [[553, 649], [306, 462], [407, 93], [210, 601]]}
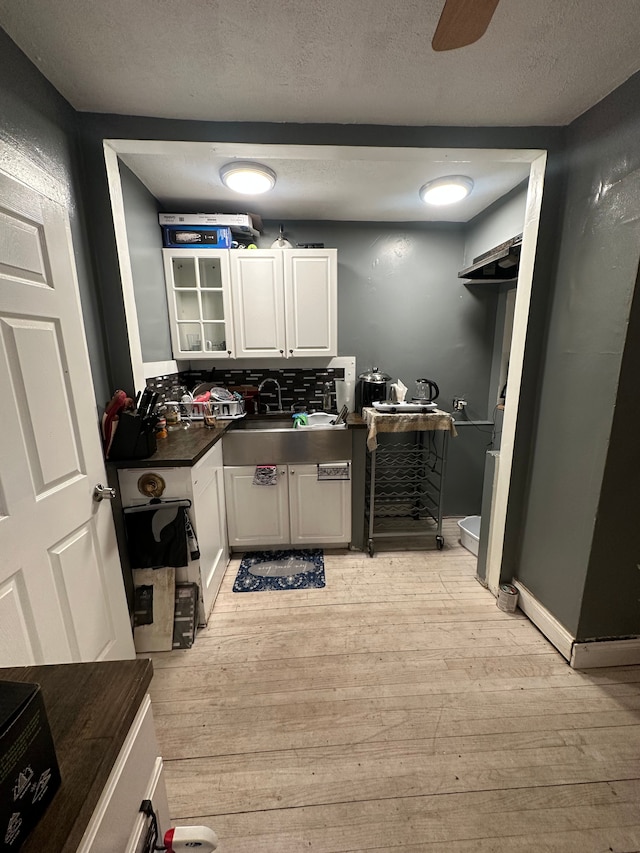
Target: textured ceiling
{"points": [[345, 61]]}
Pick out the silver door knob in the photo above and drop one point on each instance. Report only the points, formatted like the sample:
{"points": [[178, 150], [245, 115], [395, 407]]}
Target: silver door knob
{"points": [[101, 493]]}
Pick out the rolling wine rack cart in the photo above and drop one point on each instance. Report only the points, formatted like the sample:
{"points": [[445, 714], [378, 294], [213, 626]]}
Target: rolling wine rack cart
{"points": [[405, 476]]}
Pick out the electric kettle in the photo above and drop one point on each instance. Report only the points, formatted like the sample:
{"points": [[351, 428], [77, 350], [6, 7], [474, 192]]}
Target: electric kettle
{"points": [[426, 391]]}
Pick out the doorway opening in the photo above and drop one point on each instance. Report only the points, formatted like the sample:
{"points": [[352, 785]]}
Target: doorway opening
{"points": [[314, 172]]}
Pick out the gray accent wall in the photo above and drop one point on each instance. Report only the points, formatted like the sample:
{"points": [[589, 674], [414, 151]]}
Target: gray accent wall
{"points": [[402, 308], [145, 252], [501, 221], [578, 556]]}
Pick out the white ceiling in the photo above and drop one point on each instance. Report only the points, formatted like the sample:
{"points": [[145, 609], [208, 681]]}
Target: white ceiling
{"points": [[324, 182], [326, 61], [541, 62]]}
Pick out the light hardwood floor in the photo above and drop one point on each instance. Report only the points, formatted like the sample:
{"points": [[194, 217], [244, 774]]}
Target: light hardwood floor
{"points": [[397, 709]]}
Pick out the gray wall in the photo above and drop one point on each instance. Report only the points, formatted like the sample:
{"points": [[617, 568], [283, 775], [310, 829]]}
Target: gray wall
{"points": [[501, 221], [560, 561], [39, 128], [612, 589], [145, 251], [402, 308]]}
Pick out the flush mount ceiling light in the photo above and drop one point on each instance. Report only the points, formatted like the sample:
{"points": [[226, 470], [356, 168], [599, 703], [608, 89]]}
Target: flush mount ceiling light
{"points": [[248, 178], [446, 190]]}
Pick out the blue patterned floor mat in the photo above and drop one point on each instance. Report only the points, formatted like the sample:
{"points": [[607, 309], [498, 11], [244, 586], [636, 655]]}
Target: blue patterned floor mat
{"points": [[271, 570]]}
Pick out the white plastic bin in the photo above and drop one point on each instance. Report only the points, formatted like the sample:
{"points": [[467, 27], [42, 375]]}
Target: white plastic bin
{"points": [[470, 533]]}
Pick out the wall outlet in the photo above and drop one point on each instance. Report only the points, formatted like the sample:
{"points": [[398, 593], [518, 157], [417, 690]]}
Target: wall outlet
{"points": [[458, 404]]}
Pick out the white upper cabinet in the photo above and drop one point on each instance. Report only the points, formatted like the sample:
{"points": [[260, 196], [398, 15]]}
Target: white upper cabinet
{"points": [[253, 303], [199, 302], [258, 302], [310, 280]]}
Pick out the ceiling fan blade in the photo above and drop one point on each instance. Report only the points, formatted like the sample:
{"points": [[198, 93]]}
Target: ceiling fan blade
{"points": [[462, 22]]}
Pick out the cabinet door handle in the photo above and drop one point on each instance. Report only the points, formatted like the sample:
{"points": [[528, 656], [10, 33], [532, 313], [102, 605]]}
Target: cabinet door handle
{"points": [[228, 352], [290, 352], [281, 352], [292, 471]]}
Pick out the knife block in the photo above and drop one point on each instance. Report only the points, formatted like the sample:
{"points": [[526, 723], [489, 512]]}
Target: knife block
{"points": [[134, 438]]}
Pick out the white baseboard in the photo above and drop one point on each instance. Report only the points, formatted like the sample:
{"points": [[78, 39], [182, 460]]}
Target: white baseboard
{"points": [[579, 655], [605, 653], [542, 619]]}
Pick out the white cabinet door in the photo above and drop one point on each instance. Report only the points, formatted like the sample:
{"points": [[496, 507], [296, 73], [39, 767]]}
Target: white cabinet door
{"points": [[210, 523], [320, 509], [199, 301], [311, 299], [137, 775], [258, 303], [256, 515]]}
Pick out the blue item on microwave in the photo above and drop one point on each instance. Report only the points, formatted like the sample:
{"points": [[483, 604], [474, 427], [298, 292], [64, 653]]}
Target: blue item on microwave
{"points": [[196, 236]]}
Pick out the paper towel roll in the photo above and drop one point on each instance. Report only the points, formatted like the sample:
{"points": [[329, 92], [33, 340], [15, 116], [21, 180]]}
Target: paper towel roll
{"points": [[345, 394]]}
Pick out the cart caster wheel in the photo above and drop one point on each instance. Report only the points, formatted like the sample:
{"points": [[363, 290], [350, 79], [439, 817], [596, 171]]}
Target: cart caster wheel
{"points": [[440, 542], [370, 548]]}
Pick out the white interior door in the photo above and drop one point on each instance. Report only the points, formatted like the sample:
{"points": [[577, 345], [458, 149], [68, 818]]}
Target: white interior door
{"points": [[61, 591]]}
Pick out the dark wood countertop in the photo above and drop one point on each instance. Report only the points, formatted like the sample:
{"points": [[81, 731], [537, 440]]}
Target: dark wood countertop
{"points": [[184, 447], [180, 449], [355, 421], [90, 708]]}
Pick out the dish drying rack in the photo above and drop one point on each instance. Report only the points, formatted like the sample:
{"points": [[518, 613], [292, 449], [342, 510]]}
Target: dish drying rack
{"points": [[404, 486]]}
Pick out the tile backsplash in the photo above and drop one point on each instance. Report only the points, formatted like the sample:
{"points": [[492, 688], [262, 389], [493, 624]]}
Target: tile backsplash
{"points": [[299, 386]]}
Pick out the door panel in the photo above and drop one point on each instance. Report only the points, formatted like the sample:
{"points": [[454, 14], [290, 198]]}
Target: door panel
{"points": [[61, 587], [256, 515], [211, 529], [320, 509], [258, 303], [15, 617], [37, 375], [23, 250], [79, 579], [311, 302]]}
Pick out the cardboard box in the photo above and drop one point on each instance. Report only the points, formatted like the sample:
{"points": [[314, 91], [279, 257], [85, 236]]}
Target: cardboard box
{"points": [[240, 220], [185, 615], [154, 602], [196, 237], [29, 773]]}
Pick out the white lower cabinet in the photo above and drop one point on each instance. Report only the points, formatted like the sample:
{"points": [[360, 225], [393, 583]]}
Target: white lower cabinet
{"points": [[203, 485], [319, 510], [299, 509], [137, 775], [256, 515]]}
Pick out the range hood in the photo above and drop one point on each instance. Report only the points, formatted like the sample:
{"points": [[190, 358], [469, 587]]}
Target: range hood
{"points": [[500, 264]]}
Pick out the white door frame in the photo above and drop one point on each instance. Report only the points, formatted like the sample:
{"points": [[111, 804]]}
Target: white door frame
{"points": [[495, 546], [537, 159]]}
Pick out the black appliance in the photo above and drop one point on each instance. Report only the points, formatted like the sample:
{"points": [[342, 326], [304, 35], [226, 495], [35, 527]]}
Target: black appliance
{"points": [[372, 386]]}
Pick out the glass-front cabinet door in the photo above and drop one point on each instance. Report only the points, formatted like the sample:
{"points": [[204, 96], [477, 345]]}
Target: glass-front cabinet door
{"points": [[199, 300]]}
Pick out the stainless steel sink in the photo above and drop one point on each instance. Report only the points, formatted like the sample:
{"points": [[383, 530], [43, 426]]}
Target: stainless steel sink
{"points": [[274, 441], [259, 424]]}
